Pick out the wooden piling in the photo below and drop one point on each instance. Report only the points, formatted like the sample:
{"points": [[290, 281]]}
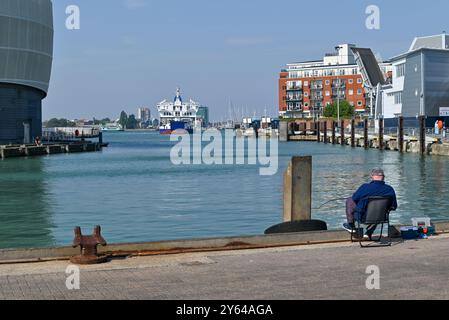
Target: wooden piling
{"points": [[333, 132], [342, 133], [325, 132], [401, 134], [318, 131], [422, 134], [365, 134], [298, 190], [353, 133], [381, 133]]}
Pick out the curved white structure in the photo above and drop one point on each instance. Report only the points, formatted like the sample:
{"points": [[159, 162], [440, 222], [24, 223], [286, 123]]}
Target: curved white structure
{"points": [[26, 54]]}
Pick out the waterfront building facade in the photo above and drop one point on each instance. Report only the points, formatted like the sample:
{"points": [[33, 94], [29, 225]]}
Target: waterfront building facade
{"points": [[143, 114], [420, 83], [26, 54], [306, 88]]}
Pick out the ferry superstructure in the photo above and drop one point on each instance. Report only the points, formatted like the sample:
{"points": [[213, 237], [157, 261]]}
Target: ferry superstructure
{"points": [[178, 115]]}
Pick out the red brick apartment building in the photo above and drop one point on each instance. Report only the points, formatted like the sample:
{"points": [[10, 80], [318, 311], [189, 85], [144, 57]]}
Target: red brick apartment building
{"points": [[306, 88]]}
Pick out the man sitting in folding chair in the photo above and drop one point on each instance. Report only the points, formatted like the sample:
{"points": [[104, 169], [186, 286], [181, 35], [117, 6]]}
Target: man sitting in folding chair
{"points": [[356, 205]]}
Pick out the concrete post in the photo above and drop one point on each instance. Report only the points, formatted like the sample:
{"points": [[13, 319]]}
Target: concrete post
{"points": [[333, 132], [298, 190], [381, 134], [401, 134], [365, 136], [353, 133], [283, 131]]}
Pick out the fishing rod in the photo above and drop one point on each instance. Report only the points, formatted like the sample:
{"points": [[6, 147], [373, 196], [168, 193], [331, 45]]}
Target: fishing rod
{"points": [[327, 202]]}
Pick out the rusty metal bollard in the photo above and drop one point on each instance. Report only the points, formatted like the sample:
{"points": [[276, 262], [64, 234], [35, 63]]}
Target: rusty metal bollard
{"points": [[88, 247]]}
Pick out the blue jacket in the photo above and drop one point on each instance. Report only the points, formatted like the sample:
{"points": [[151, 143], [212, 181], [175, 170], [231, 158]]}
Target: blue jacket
{"points": [[373, 189]]}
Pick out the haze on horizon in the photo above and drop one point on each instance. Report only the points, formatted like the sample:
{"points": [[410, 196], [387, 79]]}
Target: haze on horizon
{"points": [[134, 53]]}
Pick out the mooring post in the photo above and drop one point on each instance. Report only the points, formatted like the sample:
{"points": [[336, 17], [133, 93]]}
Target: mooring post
{"points": [[353, 133], [318, 131], [298, 190], [365, 134], [381, 133], [422, 134], [325, 132], [100, 138], [283, 131], [333, 132], [401, 134], [342, 133]]}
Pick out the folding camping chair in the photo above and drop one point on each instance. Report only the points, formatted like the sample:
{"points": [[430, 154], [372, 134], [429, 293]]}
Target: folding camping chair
{"points": [[377, 212]]}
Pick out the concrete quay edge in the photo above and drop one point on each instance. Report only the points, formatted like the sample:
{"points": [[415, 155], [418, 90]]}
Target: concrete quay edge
{"points": [[8, 256]]}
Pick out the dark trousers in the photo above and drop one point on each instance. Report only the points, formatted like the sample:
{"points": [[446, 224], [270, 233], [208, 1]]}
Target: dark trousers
{"points": [[350, 209]]}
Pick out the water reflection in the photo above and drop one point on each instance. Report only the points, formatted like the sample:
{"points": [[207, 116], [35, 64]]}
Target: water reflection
{"points": [[25, 216], [136, 194]]}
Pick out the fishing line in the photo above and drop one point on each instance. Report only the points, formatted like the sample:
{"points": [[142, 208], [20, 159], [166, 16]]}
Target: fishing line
{"points": [[327, 202]]}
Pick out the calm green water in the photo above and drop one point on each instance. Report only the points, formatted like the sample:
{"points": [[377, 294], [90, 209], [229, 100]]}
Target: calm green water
{"points": [[134, 192]]}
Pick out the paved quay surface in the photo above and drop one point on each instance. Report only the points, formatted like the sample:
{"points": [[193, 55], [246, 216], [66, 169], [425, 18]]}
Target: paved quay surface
{"points": [[408, 270]]}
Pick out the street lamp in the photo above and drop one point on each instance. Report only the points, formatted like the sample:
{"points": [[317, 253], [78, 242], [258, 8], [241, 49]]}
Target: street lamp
{"points": [[337, 48]]}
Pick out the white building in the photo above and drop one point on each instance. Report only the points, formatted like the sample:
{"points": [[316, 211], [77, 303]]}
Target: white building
{"points": [[420, 84], [143, 114]]}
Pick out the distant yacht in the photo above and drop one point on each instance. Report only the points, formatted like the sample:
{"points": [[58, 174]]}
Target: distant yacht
{"points": [[178, 115]]}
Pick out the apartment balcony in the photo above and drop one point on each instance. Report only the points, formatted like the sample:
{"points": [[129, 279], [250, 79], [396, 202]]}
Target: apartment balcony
{"points": [[294, 109], [340, 96], [316, 97], [294, 88], [316, 87], [294, 98], [336, 84]]}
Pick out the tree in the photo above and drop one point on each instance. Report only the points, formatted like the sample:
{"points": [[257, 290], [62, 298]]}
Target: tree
{"points": [[105, 121], [346, 110], [132, 122], [123, 119], [59, 123]]}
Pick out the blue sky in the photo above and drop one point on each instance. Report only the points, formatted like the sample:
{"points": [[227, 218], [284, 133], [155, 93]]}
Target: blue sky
{"points": [[131, 53]]}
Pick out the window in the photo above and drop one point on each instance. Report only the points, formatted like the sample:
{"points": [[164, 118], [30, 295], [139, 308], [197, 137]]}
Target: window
{"points": [[359, 103], [359, 80], [351, 81], [306, 104], [351, 92], [328, 82], [354, 71], [306, 83], [306, 94], [400, 70], [359, 92], [328, 93]]}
